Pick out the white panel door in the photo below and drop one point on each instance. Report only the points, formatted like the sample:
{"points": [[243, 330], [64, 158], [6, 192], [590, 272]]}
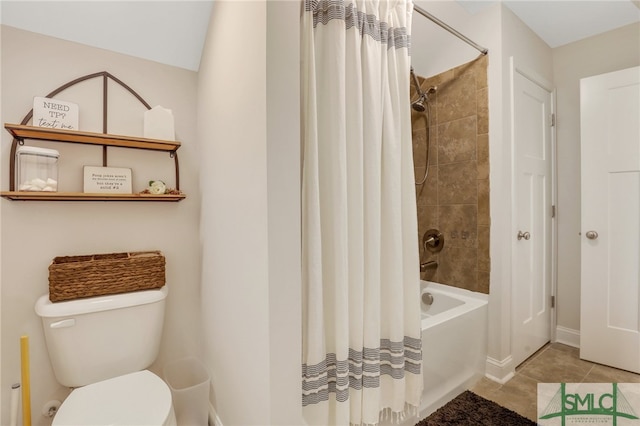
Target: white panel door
{"points": [[531, 294], [610, 283]]}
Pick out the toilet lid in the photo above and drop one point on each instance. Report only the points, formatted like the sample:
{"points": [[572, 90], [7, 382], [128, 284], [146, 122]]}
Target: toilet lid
{"points": [[139, 398]]}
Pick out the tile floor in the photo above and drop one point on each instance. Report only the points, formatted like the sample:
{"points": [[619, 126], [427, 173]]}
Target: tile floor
{"points": [[554, 363]]}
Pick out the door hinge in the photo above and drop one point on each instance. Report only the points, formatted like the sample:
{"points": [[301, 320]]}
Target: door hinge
{"points": [[553, 211], [553, 301], [552, 119]]}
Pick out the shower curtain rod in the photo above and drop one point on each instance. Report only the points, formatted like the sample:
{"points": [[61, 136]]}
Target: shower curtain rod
{"points": [[435, 20]]}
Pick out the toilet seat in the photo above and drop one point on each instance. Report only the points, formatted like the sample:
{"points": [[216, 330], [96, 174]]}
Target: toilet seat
{"points": [[139, 398]]}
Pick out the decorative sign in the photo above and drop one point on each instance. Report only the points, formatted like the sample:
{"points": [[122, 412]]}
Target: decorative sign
{"points": [[55, 114], [114, 180]]}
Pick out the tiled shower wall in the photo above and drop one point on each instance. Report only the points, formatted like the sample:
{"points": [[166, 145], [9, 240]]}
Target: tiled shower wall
{"points": [[455, 197]]}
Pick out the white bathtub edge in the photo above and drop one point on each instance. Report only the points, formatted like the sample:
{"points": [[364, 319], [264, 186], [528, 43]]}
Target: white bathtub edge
{"points": [[472, 301], [457, 291]]}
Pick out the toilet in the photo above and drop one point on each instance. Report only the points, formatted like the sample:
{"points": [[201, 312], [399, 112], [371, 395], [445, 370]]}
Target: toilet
{"points": [[101, 347]]}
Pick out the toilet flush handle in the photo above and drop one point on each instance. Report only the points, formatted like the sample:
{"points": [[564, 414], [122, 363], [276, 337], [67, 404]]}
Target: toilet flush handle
{"points": [[69, 322]]}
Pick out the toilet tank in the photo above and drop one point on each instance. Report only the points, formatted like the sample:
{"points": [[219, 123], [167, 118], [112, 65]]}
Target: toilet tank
{"points": [[98, 338]]}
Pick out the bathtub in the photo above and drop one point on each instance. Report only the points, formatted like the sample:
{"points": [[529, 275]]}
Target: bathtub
{"points": [[454, 343]]}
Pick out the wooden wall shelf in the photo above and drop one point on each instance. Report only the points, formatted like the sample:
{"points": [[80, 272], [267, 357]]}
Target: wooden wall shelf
{"points": [[22, 132], [79, 196]]}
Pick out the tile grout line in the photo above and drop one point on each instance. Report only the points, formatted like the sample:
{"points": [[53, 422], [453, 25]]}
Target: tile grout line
{"points": [[588, 372]]}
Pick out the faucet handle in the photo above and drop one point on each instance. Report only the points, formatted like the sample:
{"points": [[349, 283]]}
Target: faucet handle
{"points": [[433, 240]]}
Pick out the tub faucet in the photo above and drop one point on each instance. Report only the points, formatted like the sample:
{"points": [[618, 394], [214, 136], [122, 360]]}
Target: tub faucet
{"points": [[426, 265]]}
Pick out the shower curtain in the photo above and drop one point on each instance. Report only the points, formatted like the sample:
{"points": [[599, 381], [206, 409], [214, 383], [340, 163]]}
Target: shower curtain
{"points": [[361, 293]]}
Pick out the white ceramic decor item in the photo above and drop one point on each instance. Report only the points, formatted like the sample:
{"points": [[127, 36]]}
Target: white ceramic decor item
{"points": [[159, 124]]}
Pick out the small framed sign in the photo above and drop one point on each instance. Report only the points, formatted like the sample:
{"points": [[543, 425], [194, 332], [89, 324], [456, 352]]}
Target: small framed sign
{"points": [[113, 180], [55, 114]]}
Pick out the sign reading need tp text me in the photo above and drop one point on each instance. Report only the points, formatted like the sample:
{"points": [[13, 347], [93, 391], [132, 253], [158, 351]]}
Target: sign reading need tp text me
{"points": [[55, 114], [114, 180]]}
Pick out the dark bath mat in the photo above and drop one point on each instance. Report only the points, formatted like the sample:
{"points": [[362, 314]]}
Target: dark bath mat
{"points": [[469, 409]]}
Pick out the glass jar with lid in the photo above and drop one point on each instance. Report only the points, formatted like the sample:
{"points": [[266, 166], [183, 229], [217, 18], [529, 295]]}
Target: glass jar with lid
{"points": [[36, 169]]}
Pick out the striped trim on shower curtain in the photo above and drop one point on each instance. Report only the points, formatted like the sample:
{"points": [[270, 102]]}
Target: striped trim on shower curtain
{"points": [[362, 369], [367, 24]]}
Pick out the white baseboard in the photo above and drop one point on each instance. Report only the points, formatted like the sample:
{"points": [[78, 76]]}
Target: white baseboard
{"points": [[214, 420], [500, 371], [568, 336]]}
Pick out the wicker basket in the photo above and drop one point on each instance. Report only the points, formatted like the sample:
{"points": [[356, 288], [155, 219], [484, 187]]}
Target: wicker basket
{"points": [[74, 277]]}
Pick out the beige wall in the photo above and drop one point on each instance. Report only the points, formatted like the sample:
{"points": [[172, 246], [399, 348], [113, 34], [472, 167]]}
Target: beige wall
{"points": [[32, 233], [283, 186], [234, 211], [611, 51], [455, 196], [248, 126]]}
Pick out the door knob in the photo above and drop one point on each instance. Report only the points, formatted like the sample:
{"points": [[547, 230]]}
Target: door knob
{"points": [[592, 235], [524, 235]]}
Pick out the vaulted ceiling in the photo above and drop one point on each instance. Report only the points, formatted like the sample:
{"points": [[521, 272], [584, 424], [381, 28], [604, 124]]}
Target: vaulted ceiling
{"points": [[173, 32]]}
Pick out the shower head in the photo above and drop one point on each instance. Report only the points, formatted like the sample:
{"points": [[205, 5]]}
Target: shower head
{"points": [[418, 105]]}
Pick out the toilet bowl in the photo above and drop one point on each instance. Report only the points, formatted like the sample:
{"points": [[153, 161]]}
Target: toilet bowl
{"points": [[139, 398]]}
